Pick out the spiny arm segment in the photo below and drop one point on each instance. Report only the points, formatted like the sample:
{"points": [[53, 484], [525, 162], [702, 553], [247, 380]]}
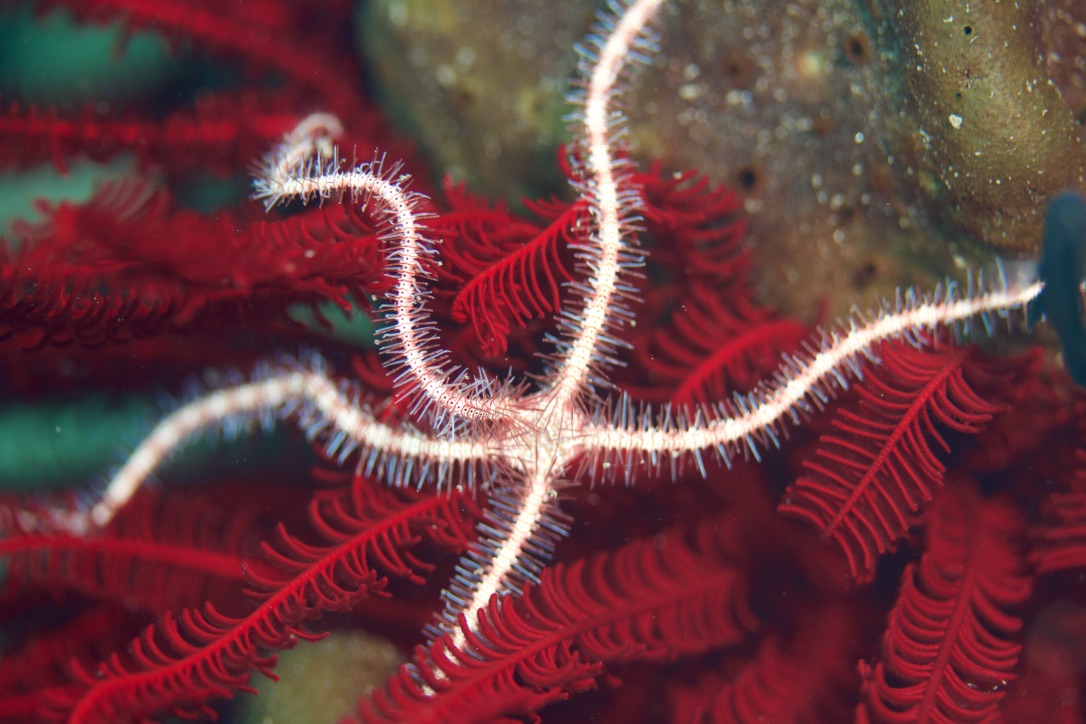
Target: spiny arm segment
{"points": [[517, 539], [623, 36], [302, 167], [312, 138], [325, 409], [524, 522], [803, 382]]}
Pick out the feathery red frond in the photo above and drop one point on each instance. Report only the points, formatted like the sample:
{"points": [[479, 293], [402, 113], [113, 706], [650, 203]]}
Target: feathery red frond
{"points": [[124, 265], [881, 463], [1050, 672], [950, 649], [698, 224], [188, 659], [223, 131], [1060, 541], [160, 554], [245, 37], [716, 346], [654, 599], [806, 679], [39, 659], [510, 271]]}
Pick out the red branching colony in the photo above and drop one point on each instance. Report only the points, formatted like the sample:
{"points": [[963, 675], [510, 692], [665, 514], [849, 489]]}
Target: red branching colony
{"points": [[896, 554]]}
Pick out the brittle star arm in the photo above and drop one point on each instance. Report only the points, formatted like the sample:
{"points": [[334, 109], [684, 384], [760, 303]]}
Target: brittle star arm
{"points": [[522, 525], [807, 379], [310, 393], [305, 166], [612, 197]]}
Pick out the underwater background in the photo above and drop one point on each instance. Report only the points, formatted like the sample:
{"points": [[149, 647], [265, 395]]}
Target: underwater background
{"points": [[818, 154]]}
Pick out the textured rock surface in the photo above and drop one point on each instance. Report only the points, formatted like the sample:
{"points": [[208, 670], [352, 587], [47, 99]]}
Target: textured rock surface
{"points": [[997, 132], [855, 177], [321, 684], [481, 85]]}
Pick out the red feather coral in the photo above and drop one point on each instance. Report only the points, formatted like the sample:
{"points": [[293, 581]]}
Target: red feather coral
{"points": [[162, 554], [510, 271], [716, 345], [189, 658], [950, 647], [650, 600], [229, 30], [785, 681], [878, 468], [179, 269], [224, 131], [1060, 541], [700, 220]]}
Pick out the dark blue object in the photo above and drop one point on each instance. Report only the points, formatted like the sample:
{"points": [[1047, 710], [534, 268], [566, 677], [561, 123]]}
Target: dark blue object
{"points": [[1063, 269]]}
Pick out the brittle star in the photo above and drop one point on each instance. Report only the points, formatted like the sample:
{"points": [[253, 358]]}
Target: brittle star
{"points": [[522, 441]]}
